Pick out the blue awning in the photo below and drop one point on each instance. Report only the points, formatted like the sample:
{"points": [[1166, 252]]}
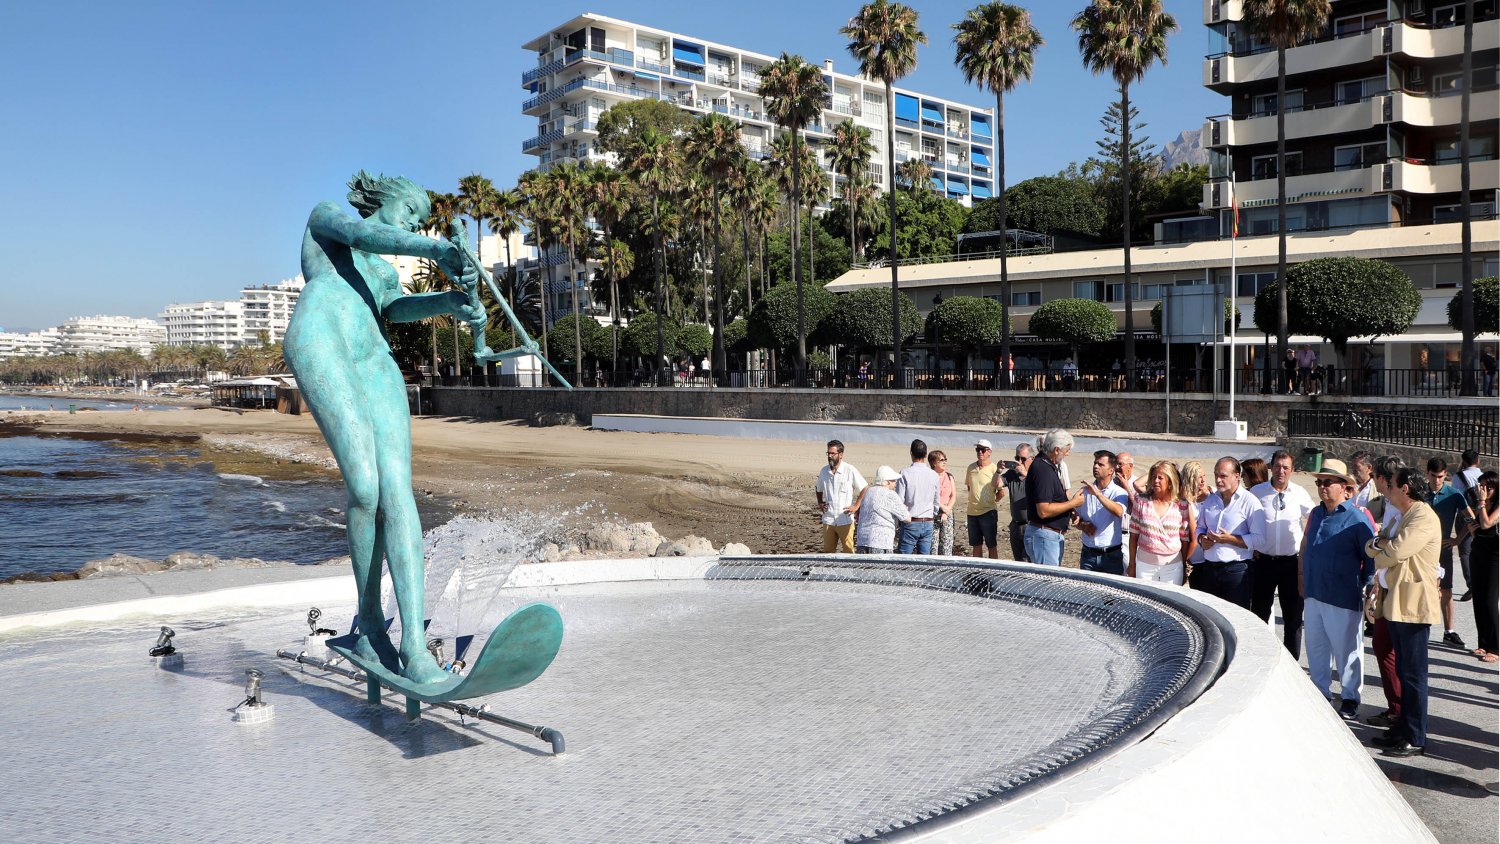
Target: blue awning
{"points": [[958, 185], [906, 108], [937, 182], [641, 74], [687, 52], [933, 113], [979, 125], [981, 190], [981, 157]]}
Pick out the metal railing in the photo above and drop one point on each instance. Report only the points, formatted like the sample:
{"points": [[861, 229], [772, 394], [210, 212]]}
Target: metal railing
{"points": [[545, 70], [1428, 429]]}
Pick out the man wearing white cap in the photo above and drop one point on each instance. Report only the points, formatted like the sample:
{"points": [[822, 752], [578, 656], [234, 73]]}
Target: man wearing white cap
{"points": [[880, 511], [983, 484]]}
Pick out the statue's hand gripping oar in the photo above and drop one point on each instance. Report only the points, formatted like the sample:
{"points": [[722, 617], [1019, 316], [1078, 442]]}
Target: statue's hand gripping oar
{"points": [[527, 346]]}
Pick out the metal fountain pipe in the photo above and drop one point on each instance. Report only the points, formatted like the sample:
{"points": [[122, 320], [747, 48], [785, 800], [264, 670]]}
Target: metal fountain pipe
{"points": [[481, 712]]}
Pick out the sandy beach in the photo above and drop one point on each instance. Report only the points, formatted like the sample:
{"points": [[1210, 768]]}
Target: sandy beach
{"points": [[756, 492]]}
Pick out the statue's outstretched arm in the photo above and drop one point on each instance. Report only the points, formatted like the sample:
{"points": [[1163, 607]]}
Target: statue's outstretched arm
{"points": [[415, 306], [366, 235]]}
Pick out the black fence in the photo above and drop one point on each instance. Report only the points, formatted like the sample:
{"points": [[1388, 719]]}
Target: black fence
{"points": [[1150, 377], [1435, 429]]}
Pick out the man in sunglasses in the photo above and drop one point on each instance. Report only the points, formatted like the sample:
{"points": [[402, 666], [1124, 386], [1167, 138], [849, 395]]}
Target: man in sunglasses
{"points": [[1284, 507], [985, 492]]}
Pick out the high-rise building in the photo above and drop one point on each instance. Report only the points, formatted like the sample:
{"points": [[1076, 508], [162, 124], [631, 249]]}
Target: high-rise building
{"points": [[83, 335], [592, 62], [268, 309], [213, 323], [28, 344], [1372, 117]]}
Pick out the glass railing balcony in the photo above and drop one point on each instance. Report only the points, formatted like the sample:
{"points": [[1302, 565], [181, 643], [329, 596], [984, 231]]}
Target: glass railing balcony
{"points": [[541, 140], [614, 56], [684, 72], [547, 69], [958, 133], [908, 123], [652, 66]]}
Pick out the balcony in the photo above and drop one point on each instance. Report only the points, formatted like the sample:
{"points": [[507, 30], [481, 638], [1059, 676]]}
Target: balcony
{"points": [[541, 140], [1423, 110], [1430, 177], [957, 132], [1304, 187], [547, 69], [1304, 122], [1224, 70], [624, 58], [1420, 42], [1217, 11]]}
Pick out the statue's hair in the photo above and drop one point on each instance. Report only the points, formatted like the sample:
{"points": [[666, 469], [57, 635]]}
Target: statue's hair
{"points": [[367, 193]]}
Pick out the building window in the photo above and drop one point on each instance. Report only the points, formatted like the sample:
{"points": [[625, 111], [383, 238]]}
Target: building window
{"points": [[1450, 84], [1115, 292], [1355, 24], [1358, 156], [1092, 289], [1453, 15], [1252, 283], [1264, 166], [1262, 105], [1480, 149], [1356, 90], [1025, 298]]}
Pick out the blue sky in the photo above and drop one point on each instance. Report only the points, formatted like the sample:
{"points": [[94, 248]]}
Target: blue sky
{"points": [[163, 151]]}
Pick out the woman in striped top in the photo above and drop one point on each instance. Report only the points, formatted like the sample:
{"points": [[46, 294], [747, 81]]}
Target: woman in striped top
{"points": [[1162, 528]]}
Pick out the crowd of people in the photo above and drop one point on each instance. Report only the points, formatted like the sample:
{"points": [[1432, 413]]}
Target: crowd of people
{"points": [[1372, 554]]}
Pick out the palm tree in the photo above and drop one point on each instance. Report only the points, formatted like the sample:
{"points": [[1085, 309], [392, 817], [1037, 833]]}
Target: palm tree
{"points": [[917, 174], [429, 279], [850, 154], [793, 91], [883, 37], [714, 147], [744, 181], [1285, 24], [996, 46], [764, 203], [444, 207], [653, 165], [609, 200], [505, 220], [568, 184], [477, 197], [1124, 38], [537, 207]]}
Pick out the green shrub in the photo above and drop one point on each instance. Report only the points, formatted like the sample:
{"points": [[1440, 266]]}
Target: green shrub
{"points": [[967, 321], [1074, 321], [862, 319], [1340, 298], [1486, 306]]}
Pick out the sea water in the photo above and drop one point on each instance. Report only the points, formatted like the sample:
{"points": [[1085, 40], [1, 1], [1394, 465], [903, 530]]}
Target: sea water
{"points": [[14, 402], [65, 501]]}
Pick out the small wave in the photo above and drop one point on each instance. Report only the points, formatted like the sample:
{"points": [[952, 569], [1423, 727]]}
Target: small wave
{"points": [[314, 520], [275, 505], [21, 473], [249, 479]]}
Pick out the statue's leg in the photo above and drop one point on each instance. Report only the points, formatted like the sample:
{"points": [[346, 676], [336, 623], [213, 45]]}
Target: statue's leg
{"points": [[402, 530], [339, 406]]}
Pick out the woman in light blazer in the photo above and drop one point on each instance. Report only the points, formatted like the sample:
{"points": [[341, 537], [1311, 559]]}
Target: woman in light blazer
{"points": [[1406, 565]]}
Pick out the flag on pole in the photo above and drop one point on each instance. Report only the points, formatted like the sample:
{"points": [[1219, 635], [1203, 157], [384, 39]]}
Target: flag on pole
{"points": [[1234, 210]]}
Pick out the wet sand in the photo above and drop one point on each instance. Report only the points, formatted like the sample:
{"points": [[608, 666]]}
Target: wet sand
{"points": [[756, 492]]}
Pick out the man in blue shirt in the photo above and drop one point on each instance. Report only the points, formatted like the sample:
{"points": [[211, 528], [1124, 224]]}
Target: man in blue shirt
{"points": [[1447, 501], [1335, 574], [1100, 517]]}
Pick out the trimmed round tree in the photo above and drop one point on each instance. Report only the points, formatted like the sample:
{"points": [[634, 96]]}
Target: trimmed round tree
{"points": [[1074, 321], [595, 339], [1340, 298], [1486, 307], [773, 322], [862, 319], [968, 322], [639, 337], [695, 340]]}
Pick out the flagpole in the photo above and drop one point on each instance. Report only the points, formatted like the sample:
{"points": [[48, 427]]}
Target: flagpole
{"points": [[1234, 282]]}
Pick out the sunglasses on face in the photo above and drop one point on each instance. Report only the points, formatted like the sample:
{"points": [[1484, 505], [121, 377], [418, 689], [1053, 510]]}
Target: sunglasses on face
{"points": [[1322, 482]]}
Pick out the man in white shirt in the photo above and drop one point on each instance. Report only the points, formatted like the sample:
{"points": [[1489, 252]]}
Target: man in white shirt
{"points": [[1284, 507], [1464, 480], [1362, 465], [1228, 529], [1099, 519], [838, 484]]}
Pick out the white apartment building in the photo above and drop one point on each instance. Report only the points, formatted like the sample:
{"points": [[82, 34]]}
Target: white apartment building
{"points": [[83, 335], [592, 62], [28, 344], [212, 323], [1372, 117], [268, 308]]}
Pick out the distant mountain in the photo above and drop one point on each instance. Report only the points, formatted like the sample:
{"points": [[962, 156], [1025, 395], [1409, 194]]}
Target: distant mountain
{"points": [[1186, 149]]}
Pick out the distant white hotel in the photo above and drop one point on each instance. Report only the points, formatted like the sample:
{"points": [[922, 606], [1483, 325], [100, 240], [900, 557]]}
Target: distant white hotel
{"points": [[29, 344], [261, 311], [88, 334]]}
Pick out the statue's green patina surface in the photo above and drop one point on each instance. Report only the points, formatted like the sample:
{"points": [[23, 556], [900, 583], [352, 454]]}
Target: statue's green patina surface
{"points": [[337, 348]]}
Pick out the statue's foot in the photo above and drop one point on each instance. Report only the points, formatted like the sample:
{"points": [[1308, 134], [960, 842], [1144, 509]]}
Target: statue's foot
{"points": [[422, 668], [378, 647]]}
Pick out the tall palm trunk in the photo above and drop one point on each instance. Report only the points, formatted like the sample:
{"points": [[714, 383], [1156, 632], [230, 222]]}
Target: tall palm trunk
{"points": [[614, 304], [657, 258], [749, 285], [546, 292], [1004, 243], [1466, 322], [1125, 182], [717, 364], [796, 254], [890, 164], [1281, 308], [577, 316], [849, 201], [703, 268]]}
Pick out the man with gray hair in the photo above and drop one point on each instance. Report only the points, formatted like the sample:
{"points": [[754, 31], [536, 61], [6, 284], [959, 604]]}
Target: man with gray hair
{"points": [[1048, 505]]}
